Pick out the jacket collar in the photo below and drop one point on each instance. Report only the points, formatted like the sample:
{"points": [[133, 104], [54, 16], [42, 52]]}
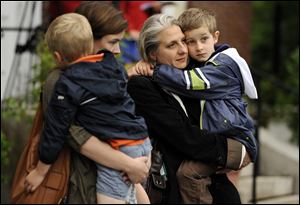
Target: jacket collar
{"points": [[90, 58]]}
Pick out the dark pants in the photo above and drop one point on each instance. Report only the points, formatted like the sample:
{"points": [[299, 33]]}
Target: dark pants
{"points": [[223, 190]]}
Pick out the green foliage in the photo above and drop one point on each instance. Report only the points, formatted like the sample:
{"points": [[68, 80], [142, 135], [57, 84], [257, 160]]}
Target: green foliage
{"points": [[275, 54], [292, 112], [13, 108], [13, 112], [5, 148], [41, 70]]}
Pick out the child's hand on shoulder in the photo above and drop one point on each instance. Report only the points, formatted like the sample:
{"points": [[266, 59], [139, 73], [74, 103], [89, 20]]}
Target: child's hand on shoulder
{"points": [[141, 68], [144, 68]]}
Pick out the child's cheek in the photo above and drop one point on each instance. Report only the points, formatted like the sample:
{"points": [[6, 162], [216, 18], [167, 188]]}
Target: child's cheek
{"points": [[192, 52]]}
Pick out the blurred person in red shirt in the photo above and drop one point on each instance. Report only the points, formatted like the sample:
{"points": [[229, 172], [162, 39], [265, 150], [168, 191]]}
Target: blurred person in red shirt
{"points": [[136, 12]]}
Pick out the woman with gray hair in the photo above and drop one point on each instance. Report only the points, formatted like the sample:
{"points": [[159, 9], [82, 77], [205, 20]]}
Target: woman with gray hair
{"points": [[172, 120]]}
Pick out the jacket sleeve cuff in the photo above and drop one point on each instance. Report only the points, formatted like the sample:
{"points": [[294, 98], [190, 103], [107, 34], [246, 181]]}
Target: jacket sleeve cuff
{"points": [[77, 137], [235, 154]]}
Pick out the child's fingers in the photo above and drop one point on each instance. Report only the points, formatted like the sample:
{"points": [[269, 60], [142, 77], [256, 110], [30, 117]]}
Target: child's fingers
{"points": [[150, 72], [126, 179], [25, 183], [123, 174], [28, 188], [147, 69], [143, 68], [33, 188], [137, 69]]}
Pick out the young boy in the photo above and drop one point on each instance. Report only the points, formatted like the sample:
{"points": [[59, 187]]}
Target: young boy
{"points": [[218, 76], [92, 93]]}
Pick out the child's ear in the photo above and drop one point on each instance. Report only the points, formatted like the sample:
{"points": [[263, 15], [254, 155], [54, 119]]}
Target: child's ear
{"points": [[57, 57], [216, 36]]}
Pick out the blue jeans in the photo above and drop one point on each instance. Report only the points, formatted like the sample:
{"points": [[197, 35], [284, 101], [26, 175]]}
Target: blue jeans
{"points": [[110, 182]]}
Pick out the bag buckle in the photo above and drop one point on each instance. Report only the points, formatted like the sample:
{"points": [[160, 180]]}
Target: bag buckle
{"points": [[159, 181]]}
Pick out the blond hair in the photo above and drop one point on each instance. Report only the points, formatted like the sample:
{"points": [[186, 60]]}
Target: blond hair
{"points": [[71, 36], [194, 18], [148, 39]]}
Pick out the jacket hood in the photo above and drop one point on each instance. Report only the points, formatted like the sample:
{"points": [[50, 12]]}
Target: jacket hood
{"points": [[106, 78], [249, 86]]}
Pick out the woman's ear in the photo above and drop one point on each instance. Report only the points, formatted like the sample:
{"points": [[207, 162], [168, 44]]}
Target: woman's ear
{"points": [[153, 56], [216, 36]]}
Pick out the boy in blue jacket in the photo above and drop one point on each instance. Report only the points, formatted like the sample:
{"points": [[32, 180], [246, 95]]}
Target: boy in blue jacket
{"points": [[218, 76]]}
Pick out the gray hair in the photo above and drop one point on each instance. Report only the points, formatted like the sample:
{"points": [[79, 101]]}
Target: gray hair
{"points": [[148, 39]]}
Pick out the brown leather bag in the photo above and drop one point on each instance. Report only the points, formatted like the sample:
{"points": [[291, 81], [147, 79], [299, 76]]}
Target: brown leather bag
{"points": [[54, 187]]}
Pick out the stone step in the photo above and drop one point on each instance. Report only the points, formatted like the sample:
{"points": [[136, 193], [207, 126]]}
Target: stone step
{"points": [[266, 187], [289, 199], [278, 158]]}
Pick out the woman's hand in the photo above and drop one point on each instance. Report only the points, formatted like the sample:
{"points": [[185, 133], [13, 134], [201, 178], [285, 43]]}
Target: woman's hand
{"points": [[138, 170]]}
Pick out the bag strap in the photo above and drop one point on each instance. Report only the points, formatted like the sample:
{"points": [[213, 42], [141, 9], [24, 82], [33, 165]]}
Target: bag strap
{"points": [[35, 132], [37, 122]]}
